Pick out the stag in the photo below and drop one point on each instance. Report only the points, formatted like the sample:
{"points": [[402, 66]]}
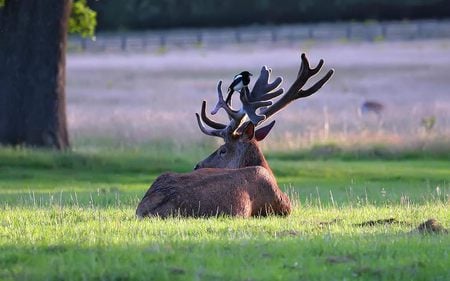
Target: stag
{"points": [[371, 107], [235, 179]]}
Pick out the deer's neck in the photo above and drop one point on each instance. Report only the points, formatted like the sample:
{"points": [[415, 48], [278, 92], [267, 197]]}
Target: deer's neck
{"points": [[255, 157], [264, 164]]}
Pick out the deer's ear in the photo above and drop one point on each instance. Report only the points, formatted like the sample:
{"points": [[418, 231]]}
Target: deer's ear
{"points": [[261, 133], [248, 131]]}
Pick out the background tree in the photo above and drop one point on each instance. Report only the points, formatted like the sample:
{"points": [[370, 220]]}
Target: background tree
{"points": [[33, 36], [146, 14]]}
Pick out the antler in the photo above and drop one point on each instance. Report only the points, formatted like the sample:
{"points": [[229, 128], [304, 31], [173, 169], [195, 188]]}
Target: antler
{"points": [[221, 103], [260, 98], [295, 91], [250, 105], [261, 95], [264, 90], [219, 129]]}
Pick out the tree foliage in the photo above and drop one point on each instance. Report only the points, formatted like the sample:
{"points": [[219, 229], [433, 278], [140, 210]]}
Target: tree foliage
{"points": [[145, 14], [83, 20]]}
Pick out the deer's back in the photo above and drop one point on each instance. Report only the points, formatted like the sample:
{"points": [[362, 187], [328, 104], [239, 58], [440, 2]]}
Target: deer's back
{"points": [[208, 192]]}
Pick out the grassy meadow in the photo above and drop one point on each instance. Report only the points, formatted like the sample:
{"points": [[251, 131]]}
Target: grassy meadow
{"points": [[70, 216], [360, 183]]}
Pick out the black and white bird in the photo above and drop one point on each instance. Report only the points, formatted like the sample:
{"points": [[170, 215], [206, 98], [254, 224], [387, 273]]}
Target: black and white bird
{"points": [[240, 81]]}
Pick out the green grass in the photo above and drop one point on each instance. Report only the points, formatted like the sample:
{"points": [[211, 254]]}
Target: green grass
{"points": [[70, 216]]}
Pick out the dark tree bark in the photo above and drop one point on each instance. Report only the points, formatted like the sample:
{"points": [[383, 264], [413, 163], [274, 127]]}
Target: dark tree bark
{"points": [[33, 36]]}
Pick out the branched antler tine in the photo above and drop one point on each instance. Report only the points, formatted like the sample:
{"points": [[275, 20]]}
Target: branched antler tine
{"points": [[314, 88], [214, 133], [262, 90], [272, 95], [277, 106], [303, 65], [295, 91], [258, 104], [250, 107], [253, 116], [233, 114], [220, 100], [261, 95], [305, 72], [315, 70], [275, 84], [208, 121], [260, 84]]}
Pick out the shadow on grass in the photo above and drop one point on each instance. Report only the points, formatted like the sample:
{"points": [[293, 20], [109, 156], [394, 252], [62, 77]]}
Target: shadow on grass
{"points": [[106, 196], [102, 197], [36, 177], [284, 258], [110, 161], [128, 191], [438, 150]]}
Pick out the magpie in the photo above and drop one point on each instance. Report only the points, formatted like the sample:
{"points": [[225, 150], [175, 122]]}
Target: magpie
{"points": [[240, 81]]}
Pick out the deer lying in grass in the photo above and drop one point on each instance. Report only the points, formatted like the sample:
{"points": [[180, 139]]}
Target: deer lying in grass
{"points": [[235, 179]]}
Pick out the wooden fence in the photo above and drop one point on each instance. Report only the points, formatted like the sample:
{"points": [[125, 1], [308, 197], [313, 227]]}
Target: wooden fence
{"points": [[368, 31]]}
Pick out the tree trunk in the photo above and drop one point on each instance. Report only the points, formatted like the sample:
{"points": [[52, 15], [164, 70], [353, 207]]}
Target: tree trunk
{"points": [[33, 36]]}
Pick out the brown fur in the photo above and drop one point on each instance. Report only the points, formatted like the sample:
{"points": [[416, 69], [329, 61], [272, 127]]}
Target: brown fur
{"points": [[244, 192], [244, 188], [431, 226], [234, 180]]}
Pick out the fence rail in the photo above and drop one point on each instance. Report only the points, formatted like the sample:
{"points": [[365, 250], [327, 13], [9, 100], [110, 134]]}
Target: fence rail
{"points": [[368, 31]]}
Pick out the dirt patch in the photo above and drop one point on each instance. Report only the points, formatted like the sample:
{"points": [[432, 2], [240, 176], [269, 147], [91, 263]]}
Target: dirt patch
{"points": [[339, 259], [380, 222], [431, 226], [288, 233], [328, 223]]}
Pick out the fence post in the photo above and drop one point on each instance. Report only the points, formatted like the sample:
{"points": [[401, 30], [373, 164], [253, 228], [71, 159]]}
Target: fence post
{"points": [[419, 29], [162, 40], [378, 31], [83, 44], [199, 38], [384, 30], [237, 35], [273, 35], [348, 31], [310, 32], [123, 42], [144, 42]]}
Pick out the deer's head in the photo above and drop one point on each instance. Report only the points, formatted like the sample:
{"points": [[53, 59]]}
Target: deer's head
{"points": [[242, 134]]}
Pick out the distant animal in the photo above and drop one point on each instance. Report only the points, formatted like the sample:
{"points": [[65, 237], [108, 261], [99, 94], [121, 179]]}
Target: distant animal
{"points": [[235, 179], [240, 81], [373, 107]]}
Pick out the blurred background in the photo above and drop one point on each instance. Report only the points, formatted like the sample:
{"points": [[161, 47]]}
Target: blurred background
{"points": [[141, 78], [137, 71]]}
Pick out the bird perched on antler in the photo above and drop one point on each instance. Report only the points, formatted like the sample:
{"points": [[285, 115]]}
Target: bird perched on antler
{"points": [[250, 99], [240, 81]]}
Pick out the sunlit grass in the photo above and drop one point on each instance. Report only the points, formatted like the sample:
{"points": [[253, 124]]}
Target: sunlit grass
{"points": [[70, 216], [75, 243]]}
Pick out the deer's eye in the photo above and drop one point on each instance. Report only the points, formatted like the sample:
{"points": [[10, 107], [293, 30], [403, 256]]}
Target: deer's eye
{"points": [[222, 151]]}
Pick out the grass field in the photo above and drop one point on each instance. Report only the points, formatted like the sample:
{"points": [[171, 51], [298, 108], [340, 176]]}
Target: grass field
{"points": [[70, 216], [129, 99]]}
